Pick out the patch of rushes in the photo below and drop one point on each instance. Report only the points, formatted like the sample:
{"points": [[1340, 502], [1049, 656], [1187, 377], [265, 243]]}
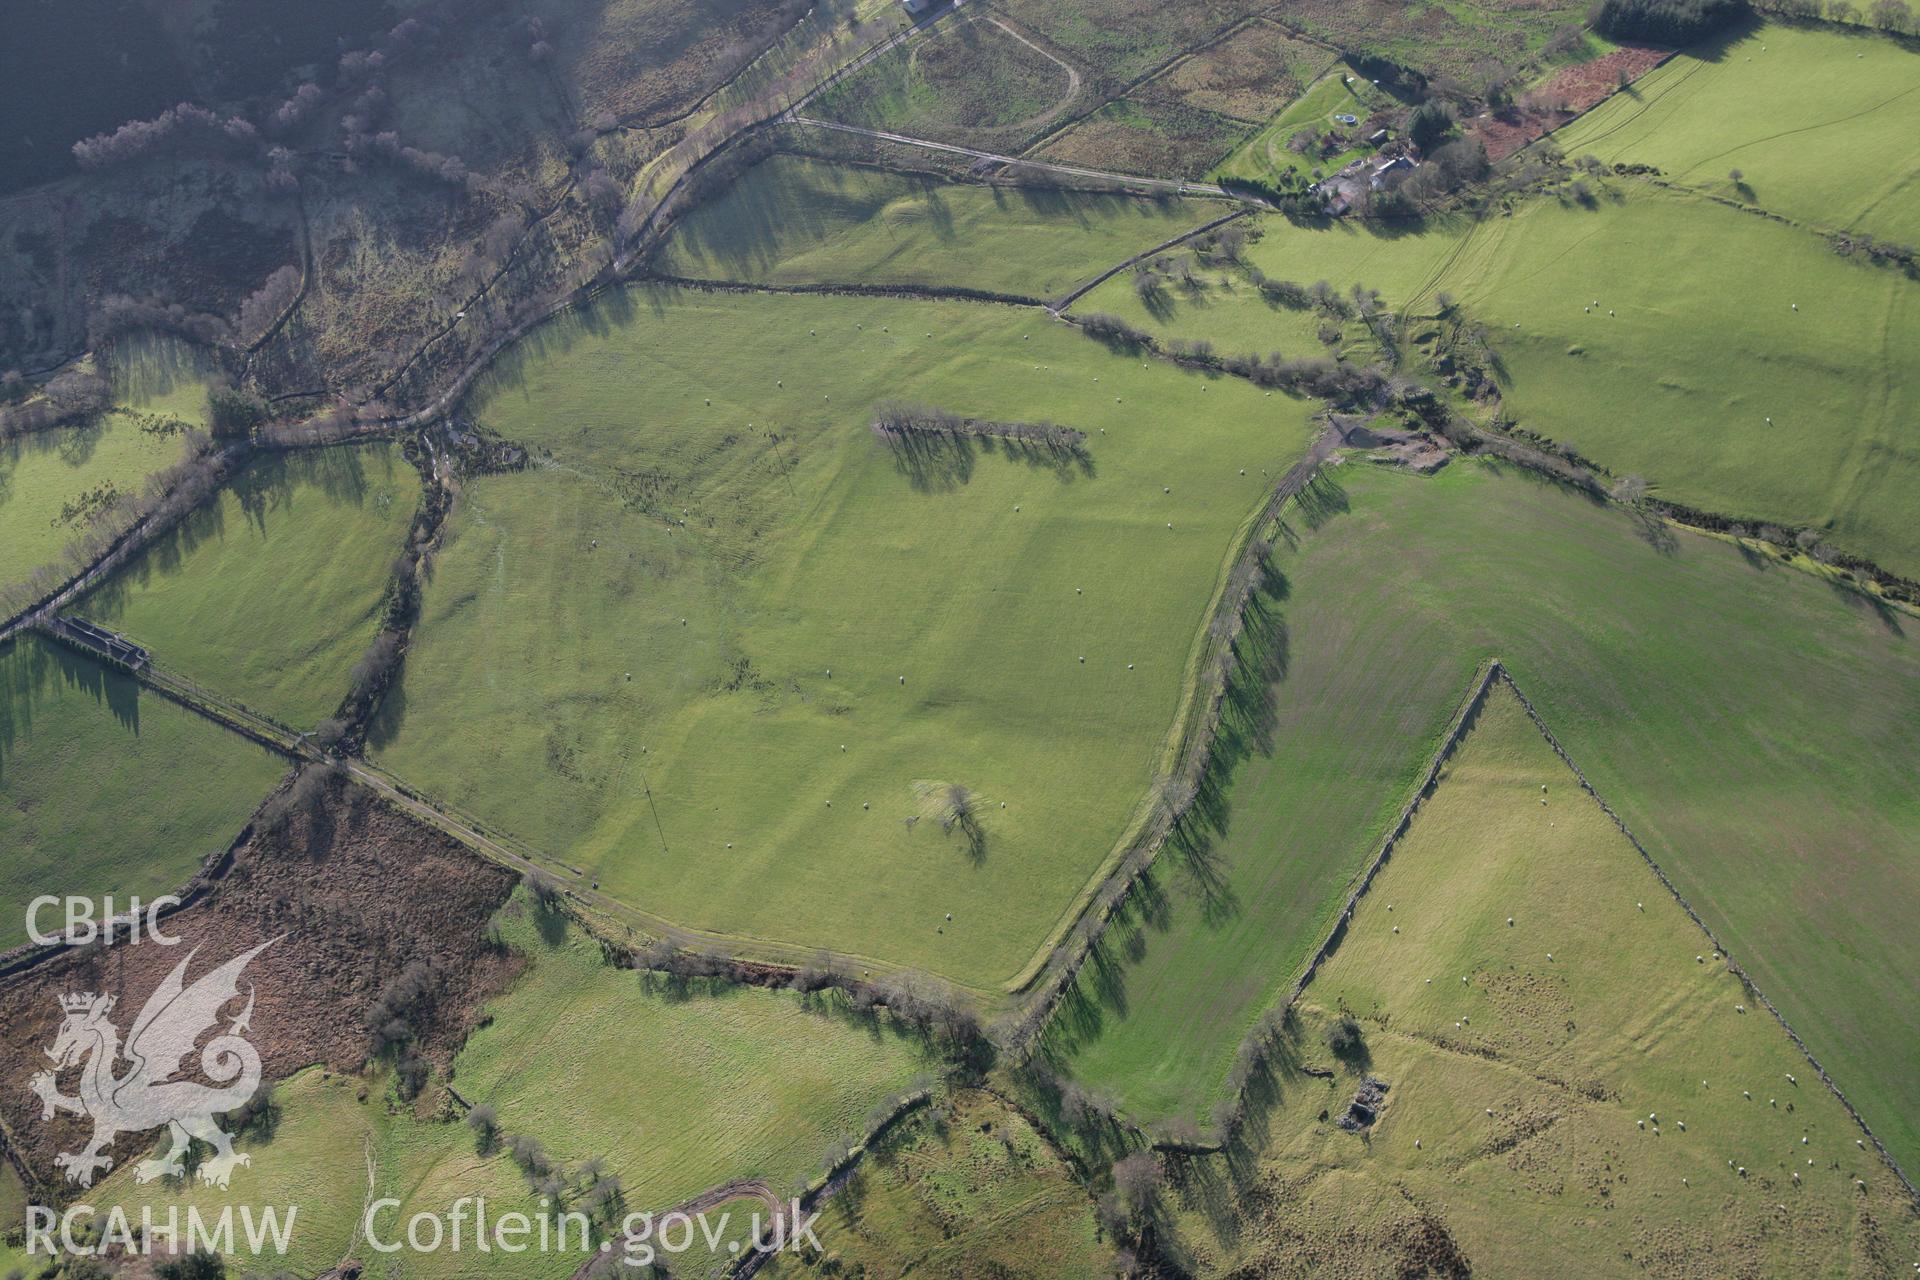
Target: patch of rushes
{"points": [[1248, 75], [968, 1187], [1147, 135]]}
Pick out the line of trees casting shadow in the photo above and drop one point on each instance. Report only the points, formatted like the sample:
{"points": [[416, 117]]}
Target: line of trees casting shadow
{"points": [[934, 448]]}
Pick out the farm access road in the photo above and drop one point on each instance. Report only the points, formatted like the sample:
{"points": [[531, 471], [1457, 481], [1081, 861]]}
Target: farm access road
{"points": [[1178, 186]]}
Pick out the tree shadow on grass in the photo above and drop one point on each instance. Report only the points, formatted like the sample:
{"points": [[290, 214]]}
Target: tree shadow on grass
{"points": [[1654, 531], [1321, 499], [940, 462], [1856, 597]]}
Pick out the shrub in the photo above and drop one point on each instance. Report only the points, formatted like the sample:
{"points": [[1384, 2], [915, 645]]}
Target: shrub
{"points": [[485, 1123], [234, 414], [1429, 125], [1114, 331], [1137, 1179], [201, 1264], [1343, 1037], [544, 888]]}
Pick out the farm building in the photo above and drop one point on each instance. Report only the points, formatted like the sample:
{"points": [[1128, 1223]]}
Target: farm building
{"points": [[1389, 171], [98, 639]]}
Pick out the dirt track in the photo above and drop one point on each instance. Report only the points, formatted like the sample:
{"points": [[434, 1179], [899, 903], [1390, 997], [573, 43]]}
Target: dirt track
{"points": [[712, 1198], [1179, 186]]}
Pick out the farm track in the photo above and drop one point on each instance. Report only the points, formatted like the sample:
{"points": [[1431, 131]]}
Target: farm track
{"points": [[1178, 186], [1047, 117], [713, 1198]]}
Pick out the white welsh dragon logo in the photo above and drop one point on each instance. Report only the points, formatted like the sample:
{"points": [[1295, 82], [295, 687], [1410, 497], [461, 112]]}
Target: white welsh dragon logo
{"points": [[146, 1095]]}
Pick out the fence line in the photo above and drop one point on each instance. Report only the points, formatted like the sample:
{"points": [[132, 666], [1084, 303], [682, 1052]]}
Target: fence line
{"points": [[1732, 965], [1463, 718]]}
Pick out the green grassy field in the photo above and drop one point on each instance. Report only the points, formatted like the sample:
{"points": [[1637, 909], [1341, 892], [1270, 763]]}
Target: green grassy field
{"points": [[774, 634], [1819, 121], [42, 472], [1340, 90], [1674, 374], [675, 1092], [155, 383], [108, 789], [313, 1158], [799, 221], [1459, 38], [1751, 723], [13, 1213], [1574, 1088], [212, 599], [965, 81], [966, 1189]]}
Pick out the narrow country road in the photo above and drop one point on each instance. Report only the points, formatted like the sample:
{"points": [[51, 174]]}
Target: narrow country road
{"points": [[1179, 186]]}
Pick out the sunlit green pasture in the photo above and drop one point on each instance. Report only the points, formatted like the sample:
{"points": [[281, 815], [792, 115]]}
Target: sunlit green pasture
{"points": [[1577, 1085], [730, 658], [791, 220], [1750, 722]]}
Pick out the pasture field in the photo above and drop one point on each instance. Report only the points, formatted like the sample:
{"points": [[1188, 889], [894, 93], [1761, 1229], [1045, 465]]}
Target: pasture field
{"points": [[92, 799], [1751, 724], [1339, 90], [159, 388], [966, 1188], [1819, 120], [785, 622], [1674, 375], [41, 472], [314, 1155], [1147, 135], [676, 1091], [13, 1212], [1248, 75], [798, 221], [211, 600], [1458, 38], [1577, 1085], [967, 81]]}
